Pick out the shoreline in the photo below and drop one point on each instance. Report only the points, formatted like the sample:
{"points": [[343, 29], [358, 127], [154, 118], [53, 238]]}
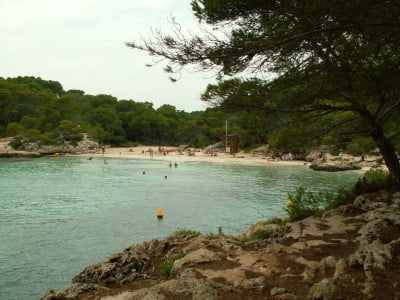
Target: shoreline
{"points": [[173, 156]]}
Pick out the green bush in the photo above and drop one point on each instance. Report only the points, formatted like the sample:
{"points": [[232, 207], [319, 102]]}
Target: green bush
{"points": [[130, 144], [335, 152], [305, 204], [166, 266], [360, 145], [15, 129], [276, 220], [375, 179], [47, 138], [32, 135], [261, 234], [16, 143], [185, 232]]}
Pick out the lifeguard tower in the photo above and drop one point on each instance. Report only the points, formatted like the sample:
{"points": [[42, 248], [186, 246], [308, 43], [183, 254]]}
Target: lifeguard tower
{"points": [[232, 143]]}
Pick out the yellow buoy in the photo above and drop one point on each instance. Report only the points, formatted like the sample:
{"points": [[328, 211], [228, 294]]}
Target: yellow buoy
{"points": [[160, 213], [289, 202], [56, 154]]}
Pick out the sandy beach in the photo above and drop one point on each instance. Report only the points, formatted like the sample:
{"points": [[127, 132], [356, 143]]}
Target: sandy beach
{"points": [[172, 155]]}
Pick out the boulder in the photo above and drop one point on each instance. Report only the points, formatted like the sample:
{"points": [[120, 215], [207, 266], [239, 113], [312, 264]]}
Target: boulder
{"points": [[27, 154], [319, 165], [323, 290]]}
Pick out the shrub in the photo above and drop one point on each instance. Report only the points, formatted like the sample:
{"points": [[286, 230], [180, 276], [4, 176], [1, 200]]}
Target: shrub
{"points": [[185, 232], [15, 129], [16, 143], [166, 266], [360, 145], [278, 221], [375, 179], [304, 204], [130, 144], [261, 234], [335, 152], [32, 135]]}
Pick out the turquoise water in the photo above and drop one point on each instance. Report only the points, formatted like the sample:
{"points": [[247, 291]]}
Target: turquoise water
{"points": [[59, 215]]}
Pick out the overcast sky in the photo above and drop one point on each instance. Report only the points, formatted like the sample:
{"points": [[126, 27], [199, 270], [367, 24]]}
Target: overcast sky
{"points": [[80, 43]]}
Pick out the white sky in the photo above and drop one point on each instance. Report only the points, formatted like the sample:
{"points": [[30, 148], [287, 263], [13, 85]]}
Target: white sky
{"points": [[80, 43]]}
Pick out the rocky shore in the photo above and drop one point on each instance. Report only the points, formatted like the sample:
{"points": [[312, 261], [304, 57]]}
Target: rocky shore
{"points": [[36, 150], [352, 252], [322, 161]]}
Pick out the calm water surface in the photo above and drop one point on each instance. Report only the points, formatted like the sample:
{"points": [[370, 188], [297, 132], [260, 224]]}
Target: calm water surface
{"points": [[59, 215]]}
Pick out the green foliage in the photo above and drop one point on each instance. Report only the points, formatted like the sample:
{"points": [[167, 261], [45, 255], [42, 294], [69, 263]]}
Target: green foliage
{"points": [[360, 145], [295, 140], [130, 144], [187, 232], [260, 234], [15, 129], [166, 266], [305, 204], [341, 79], [16, 143], [375, 179], [32, 135], [276, 220]]}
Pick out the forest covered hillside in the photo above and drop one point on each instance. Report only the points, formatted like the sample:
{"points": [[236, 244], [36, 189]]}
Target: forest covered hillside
{"points": [[37, 110]]}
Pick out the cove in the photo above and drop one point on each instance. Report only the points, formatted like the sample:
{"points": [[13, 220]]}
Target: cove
{"points": [[59, 215]]}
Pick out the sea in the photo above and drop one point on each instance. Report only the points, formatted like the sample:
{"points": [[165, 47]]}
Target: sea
{"points": [[60, 214]]}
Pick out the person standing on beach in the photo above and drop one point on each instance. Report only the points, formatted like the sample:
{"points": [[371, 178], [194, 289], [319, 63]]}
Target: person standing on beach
{"points": [[176, 165], [170, 165]]}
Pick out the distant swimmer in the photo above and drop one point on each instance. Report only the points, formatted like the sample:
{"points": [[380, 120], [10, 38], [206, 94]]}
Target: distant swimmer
{"points": [[176, 165], [170, 165], [144, 172], [90, 158], [165, 177]]}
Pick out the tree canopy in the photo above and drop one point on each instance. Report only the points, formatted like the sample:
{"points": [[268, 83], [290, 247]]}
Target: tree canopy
{"points": [[37, 110], [335, 63]]}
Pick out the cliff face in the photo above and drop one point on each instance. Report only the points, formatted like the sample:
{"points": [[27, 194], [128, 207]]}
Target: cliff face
{"points": [[352, 252]]}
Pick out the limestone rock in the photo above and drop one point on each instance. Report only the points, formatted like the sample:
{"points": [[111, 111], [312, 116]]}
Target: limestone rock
{"points": [[143, 294], [301, 254], [276, 291], [72, 292], [323, 290], [334, 166], [196, 257]]}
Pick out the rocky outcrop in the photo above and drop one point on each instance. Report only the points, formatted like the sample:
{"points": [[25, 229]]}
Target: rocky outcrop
{"points": [[7, 151], [323, 161], [334, 166], [84, 146], [351, 252], [35, 149], [12, 153]]}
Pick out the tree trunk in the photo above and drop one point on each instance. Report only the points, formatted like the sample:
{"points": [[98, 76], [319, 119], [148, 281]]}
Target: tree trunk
{"points": [[385, 147]]}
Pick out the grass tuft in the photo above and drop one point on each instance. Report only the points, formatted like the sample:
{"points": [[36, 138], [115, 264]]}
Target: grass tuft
{"points": [[166, 266], [187, 232]]}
